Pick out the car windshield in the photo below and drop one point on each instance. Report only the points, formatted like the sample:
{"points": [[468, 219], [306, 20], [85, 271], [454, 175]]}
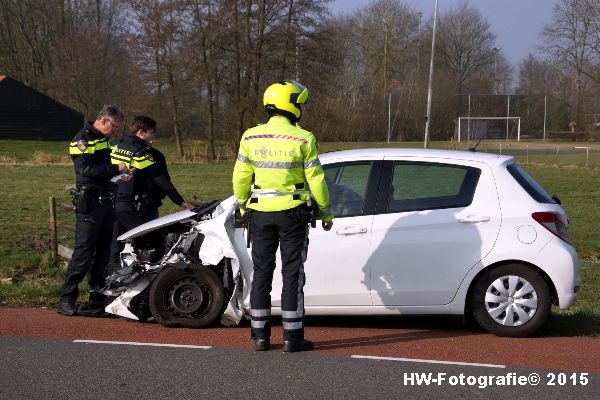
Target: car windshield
{"points": [[530, 185]]}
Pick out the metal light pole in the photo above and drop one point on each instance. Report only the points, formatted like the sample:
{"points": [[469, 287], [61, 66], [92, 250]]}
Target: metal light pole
{"points": [[544, 134], [496, 50], [389, 132], [428, 118]]}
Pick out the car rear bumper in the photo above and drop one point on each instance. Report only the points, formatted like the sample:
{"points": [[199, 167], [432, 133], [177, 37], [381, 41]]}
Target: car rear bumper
{"points": [[558, 260]]}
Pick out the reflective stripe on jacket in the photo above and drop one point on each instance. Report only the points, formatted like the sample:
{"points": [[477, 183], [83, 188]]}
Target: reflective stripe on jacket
{"points": [[134, 152], [282, 159], [90, 152]]}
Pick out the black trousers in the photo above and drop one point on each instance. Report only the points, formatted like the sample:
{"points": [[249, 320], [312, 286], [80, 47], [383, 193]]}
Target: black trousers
{"points": [[126, 218], [270, 230], [93, 232]]}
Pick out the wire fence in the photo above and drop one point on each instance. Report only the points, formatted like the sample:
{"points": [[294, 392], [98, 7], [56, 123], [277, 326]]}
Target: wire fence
{"points": [[586, 156]]}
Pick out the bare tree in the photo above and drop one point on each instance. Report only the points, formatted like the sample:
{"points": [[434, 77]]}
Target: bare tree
{"points": [[570, 38], [386, 32], [466, 43], [159, 36], [28, 31]]}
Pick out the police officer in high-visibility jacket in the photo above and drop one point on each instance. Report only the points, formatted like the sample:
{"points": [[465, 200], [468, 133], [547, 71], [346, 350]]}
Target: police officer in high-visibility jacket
{"points": [[94, 211], [276, 173]]}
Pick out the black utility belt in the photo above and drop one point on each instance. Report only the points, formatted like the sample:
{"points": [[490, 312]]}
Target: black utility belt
{"points": [[83, 197], [96, 191]]}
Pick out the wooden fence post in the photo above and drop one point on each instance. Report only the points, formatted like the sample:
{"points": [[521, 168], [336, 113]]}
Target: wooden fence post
{"points": [[53, 235]]}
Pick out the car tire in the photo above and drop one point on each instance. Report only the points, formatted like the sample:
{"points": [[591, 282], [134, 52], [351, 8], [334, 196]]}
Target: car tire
{"points": [[511, 300], [192, 298]]}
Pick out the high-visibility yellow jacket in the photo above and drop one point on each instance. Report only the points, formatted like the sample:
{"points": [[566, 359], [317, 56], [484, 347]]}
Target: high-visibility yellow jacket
{"points": [[275, 164]]}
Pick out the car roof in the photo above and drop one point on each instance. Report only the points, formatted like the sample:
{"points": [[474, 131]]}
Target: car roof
{"points": [[374, 153]]}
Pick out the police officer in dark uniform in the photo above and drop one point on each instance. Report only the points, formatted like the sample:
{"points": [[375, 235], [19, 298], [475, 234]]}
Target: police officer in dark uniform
{"points": [[155, 194], [132, 198], [93, 200]]}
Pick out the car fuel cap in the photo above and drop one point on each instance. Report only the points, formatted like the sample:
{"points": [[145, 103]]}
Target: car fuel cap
{"points": [[526, 234]]}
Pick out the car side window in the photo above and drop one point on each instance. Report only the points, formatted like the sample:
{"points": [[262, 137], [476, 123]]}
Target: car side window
{"points": [[347, 184], [426, 186]]}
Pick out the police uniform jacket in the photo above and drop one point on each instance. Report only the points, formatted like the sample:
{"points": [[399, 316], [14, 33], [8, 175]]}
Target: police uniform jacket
{"points": [[134, 152], [90, 152], [280, 160], [155, 194]]}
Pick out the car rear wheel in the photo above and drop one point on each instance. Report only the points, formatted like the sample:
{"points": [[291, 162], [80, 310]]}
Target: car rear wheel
{"points": [[511, 300], [191, 298]]}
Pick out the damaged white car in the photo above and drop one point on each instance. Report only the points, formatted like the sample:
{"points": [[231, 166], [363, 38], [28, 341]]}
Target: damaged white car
{"points": [[417, 232]]}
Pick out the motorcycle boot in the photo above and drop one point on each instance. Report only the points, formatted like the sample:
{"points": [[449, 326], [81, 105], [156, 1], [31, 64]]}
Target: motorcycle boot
{"points": [[293, 346], [293, 340], [262, 344], [261, 328]]}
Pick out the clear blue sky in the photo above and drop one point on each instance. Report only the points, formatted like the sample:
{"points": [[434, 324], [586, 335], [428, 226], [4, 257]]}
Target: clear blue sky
{"points": [[516, 23]]}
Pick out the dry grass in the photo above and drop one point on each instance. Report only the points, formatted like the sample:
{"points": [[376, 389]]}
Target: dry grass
{"points": [[40, 157], [197, 152], [7, 160]]}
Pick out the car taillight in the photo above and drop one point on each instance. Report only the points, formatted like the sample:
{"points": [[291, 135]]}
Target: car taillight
{"points": [[553, 222]]}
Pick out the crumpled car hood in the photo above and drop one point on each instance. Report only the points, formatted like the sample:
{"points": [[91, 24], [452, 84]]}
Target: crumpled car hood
{"points": [[157, 224], [221, 240]]}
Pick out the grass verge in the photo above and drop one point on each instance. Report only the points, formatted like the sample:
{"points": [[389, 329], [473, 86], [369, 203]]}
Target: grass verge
{"points": [[35, 278]]}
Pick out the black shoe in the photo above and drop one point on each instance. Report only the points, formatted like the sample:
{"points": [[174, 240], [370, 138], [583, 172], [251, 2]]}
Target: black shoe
{"points": [[262, 344], [91, 309], [292, 346], [65, 308]]}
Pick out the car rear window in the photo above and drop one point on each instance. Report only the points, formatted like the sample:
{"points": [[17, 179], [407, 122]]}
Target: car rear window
{"points": [[530, 185], [428, 186]]}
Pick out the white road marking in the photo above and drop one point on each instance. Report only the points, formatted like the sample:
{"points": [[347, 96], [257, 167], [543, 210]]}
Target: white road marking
{"points": [[185, 346], [416, 360]]}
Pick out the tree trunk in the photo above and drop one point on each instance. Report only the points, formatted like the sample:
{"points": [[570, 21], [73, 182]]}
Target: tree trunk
{"points": [[258, 52], [249, 60], [286, 42], [174, 113], [240, 109], [209, 82]]}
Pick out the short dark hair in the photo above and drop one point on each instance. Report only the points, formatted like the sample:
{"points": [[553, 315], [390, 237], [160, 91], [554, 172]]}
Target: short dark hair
{"points": [[143, 123], [108, 110]]}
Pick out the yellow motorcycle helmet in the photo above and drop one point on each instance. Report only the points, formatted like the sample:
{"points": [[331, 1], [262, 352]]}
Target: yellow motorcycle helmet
{"points": [[285, 97]]}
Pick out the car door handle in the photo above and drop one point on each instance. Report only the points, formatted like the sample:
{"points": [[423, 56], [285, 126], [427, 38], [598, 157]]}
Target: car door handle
{"points": [[351, 230], [472, 219]]}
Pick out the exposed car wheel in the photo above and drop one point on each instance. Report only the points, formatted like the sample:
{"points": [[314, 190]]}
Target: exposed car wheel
{"points": [[511, 300], [191, 298]]}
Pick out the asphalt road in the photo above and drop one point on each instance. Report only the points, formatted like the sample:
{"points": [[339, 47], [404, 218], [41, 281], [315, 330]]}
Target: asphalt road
{"points": [[50, 356], [37, 368]]}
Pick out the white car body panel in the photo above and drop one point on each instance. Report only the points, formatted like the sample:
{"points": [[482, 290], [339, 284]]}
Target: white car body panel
{"points": [[342, 280], [420, 257]]}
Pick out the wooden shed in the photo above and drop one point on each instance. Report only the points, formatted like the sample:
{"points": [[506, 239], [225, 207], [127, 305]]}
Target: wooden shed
{"points": [[28, 114]]}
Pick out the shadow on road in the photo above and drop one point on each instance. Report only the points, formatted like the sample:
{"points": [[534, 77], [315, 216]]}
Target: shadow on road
{"points": [[421, 328]]}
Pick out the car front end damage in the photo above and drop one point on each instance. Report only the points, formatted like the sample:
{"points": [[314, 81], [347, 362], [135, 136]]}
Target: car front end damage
{"points": [[183, 269]]}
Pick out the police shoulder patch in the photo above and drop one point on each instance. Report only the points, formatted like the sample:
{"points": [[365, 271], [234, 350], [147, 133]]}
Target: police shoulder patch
{"points": [[148, 156], [82, 145]]}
